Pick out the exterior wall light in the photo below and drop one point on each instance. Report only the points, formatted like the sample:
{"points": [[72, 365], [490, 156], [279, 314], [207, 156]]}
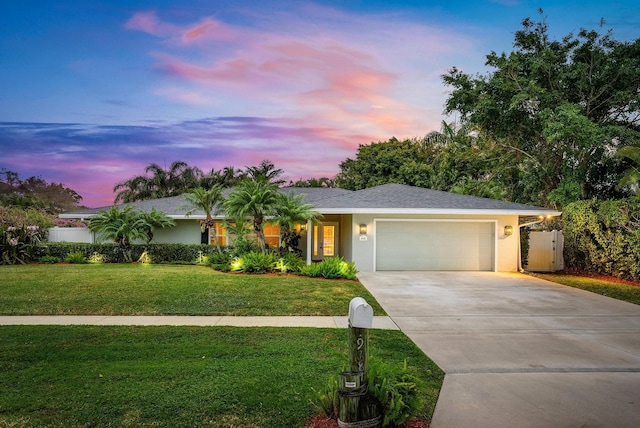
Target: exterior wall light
{"points": [[508, 230], [303, 227], [363, 229]]}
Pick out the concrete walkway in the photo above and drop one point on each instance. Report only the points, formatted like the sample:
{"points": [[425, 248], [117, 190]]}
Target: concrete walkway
{"points": [[181, 320], [518, 351]]}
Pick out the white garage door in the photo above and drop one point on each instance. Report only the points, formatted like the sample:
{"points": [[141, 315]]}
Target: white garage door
{"points": [[419, 245]]}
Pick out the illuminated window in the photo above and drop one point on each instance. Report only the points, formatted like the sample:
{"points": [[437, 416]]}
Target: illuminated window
{"points": [[218, 233], [272, 235]]}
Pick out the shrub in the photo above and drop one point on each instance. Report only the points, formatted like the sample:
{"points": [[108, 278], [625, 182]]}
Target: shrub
{"points": [[111, 253], [327, 400], [603, 237], [76, 257], [219, 261], [18, 244], [255, 262], [243, 246], [49, 259], [396, 390], [330, 268], [289, 263]]}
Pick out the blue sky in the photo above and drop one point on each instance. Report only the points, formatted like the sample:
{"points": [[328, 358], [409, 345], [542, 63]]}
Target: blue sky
{"points": [[93, 91]]}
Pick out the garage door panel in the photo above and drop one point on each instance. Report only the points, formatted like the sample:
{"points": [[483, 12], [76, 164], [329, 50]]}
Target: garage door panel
{"points": [[411, 245]]}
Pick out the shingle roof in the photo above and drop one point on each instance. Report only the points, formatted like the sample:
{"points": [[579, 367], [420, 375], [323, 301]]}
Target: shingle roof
{"points": [[399, 197], [384, 199]]}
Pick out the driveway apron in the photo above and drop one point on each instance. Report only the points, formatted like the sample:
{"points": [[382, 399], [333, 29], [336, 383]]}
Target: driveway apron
{"points": [[519, 351]]}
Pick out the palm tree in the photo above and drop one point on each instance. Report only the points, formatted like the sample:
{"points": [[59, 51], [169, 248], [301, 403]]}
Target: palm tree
{"points": [[125, 225], [149, 221], [254, 199], [266, 170], [118, 225], [210, 201], [292, 210], [158, 182], [631, 176]]}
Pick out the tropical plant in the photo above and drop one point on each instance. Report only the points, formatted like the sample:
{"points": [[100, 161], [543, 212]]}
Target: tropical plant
{"points": [[267, 171], [631, 177], [396, 390], [289, 212], [18, 244], [255, 199], [225, 178], [125, 225], [158, 182], [148, 221], [76, 257], [118, 225], [331, 268], [208, 200], [255, 262]]}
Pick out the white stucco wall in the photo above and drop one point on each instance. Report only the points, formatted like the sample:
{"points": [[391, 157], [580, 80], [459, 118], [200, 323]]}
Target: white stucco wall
{"points": [[362, 248]]}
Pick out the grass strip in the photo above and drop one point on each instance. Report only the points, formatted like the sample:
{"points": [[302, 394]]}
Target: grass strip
{"points": [[76, 376], [137, 289], [627, 293]]}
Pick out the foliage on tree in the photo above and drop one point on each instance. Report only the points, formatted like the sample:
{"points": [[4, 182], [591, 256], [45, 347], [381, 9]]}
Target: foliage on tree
{"points": [[208, 200], [289, 211], [125, 225], [266, 170], [603, 236], [456, 160], [35, 192], [158, 182], [314, 182], [558, 111], [631, 177], [255, 199]]}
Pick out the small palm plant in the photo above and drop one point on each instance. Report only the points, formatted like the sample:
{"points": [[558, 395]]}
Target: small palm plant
{"points": [[118, 225], [208, 200], [255, 199], [289, 211]]}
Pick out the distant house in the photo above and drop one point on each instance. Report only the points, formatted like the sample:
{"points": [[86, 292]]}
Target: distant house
{"points": [[392, 227]]}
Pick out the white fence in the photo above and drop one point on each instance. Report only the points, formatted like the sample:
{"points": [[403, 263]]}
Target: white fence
{"points": [[71, 234], [546, 251]]}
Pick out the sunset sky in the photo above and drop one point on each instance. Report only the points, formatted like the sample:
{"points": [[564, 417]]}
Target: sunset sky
{"points": [[91, 92]]}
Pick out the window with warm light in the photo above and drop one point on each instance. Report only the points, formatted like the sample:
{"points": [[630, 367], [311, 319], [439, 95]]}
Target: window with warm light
{"points": [[272, 235], [218, 234]]}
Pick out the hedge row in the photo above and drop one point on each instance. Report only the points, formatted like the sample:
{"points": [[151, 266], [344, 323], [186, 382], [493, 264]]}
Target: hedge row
{"points": [[603, 237], [111, 253]]}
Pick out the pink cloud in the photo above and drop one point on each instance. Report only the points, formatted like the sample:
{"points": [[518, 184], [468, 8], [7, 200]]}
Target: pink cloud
{"points": [[148, 22]]}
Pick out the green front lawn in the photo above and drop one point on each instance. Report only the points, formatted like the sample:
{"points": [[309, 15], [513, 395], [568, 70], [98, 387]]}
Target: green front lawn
{"points": [[137, 289], [77, 376], [628, 293]]}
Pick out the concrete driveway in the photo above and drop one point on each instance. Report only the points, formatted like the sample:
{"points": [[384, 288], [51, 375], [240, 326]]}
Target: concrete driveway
{"points": [[519, 351]]}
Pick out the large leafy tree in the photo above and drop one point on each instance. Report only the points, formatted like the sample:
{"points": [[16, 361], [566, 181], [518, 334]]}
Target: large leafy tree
{"points": [[208, 200], [557, 109], [35, 192], [255, 199], [158, 182]]}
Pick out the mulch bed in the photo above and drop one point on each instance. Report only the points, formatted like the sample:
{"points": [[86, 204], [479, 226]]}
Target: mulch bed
{"points": [[322, 421]]}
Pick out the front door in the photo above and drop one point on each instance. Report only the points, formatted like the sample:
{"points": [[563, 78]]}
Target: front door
{"points": [[325, 241]]}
